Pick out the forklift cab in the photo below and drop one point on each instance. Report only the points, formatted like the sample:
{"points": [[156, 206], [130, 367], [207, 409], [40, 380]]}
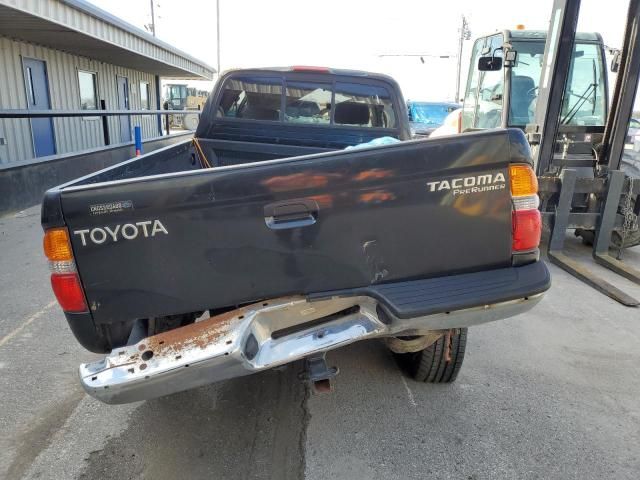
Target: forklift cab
{"points": [[176, 96], [503, 81]]}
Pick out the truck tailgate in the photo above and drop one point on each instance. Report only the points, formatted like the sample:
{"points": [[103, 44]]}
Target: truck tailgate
{"points": [[192, 241]]}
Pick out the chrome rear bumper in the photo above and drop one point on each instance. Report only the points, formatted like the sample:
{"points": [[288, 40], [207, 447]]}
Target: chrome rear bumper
{"points": [[258, 337]]}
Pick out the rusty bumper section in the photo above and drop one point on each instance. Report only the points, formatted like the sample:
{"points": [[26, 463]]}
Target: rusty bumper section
{"points": [[258, 337]]}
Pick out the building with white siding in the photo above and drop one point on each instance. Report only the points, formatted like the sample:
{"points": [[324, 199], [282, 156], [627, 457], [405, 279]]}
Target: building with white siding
{"points": [[71, 55]]}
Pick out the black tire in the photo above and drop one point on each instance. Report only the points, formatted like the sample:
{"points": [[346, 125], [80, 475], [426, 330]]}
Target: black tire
{"points": [[632, 238], [430, 365]]}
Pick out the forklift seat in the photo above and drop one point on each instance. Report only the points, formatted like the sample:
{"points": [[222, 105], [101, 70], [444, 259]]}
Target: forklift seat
{"points": [[522, 93], [352, 113]]}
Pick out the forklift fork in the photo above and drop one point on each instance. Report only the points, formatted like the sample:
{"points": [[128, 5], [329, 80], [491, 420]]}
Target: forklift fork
{"points": [[603, 239], [607, 223]]}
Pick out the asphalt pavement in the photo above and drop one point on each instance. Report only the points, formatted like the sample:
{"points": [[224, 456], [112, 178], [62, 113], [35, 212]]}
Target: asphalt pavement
{"points": [[554, 393]]}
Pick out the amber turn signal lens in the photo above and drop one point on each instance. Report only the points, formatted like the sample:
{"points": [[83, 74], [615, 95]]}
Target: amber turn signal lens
{"points": [[56, 244], [523, 180]]}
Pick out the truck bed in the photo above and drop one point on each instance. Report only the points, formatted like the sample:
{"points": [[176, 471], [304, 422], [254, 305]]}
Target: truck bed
{"points": [[181, 157]]}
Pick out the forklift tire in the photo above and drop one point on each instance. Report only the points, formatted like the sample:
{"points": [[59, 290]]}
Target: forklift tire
{"points": [[588, 238], [632, 239], [430, 365], [190, 121]]}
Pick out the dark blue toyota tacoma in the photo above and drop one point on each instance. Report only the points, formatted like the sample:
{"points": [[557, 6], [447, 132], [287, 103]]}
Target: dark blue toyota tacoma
{"points": [[264, 240]]}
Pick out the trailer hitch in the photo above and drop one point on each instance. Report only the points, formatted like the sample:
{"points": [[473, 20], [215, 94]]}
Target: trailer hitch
{"points": [[318, 374]]}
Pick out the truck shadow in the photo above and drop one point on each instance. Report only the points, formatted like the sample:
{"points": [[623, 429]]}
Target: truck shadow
{"points": [[248, 427]]}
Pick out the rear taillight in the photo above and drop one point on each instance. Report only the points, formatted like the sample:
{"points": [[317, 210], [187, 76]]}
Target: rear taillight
{"points": [[526, 221], [64, 276], [68, 291], [526, 230]]}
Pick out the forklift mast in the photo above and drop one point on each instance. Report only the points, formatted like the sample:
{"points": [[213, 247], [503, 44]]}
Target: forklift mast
{"points": [[610, 194], [625, 92], [553, 85], [542, 133]]}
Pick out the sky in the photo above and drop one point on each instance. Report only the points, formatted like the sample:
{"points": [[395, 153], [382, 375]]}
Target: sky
{"points": [[354, 34]]}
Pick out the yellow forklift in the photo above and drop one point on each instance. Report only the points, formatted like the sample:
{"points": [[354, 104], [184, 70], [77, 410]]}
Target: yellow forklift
{"points": [[181, 97]]}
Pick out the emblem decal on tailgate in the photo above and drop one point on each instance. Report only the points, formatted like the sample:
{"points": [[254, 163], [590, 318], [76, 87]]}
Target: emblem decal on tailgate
{"points": [[111, 207], [475, 184], [128, 231]]}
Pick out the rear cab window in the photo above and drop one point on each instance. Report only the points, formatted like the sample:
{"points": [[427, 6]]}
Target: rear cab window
{"points": [[308, 102], [252, 98], [363, 105], [290, 101]]}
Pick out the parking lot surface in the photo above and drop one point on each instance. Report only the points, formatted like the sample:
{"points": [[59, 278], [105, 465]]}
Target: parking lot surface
{"points": [[554, 393]]}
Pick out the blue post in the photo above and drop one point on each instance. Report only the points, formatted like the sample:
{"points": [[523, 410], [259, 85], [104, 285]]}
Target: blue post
{"points": [[137, 133]]}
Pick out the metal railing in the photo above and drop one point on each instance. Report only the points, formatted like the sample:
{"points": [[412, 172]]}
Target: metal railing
{"points": [[103, 113]]}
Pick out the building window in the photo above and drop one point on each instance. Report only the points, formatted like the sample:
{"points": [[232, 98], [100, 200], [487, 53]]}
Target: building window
{"points": [[144, 95], [88, 90]]}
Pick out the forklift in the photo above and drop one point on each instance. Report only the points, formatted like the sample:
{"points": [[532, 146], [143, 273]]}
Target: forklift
{"points": [[181, 97], [554, 86]]}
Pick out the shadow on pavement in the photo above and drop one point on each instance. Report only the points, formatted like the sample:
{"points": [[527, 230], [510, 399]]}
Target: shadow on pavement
{"points": [[249, 427]]}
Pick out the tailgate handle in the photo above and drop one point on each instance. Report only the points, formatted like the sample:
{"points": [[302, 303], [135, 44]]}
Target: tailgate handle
{"points": [[295, 213]]}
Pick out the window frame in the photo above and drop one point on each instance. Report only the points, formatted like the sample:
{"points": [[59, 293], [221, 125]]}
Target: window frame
{"points": [[470, 116], [495, 50], [148, 91], [602, 86], [471, 90], [96, 91]]}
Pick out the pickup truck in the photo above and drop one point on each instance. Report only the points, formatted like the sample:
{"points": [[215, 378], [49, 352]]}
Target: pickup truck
{"points": [[265, 240]]}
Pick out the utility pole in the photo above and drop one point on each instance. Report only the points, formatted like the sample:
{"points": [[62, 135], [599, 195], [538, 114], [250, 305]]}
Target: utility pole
{"points": [[218, 35], [152, 27], [465, 34]]}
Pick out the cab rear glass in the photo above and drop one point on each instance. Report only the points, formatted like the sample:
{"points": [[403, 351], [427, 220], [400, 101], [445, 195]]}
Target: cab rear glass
{"points": [[319, 103]]}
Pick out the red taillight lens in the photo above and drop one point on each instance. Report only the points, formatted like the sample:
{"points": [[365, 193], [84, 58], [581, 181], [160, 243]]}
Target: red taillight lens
{"points": [[68, 291], [527, 228]]}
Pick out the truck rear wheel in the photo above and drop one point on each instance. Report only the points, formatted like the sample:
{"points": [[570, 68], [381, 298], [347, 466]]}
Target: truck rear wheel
{"points": [[440, 362]]}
